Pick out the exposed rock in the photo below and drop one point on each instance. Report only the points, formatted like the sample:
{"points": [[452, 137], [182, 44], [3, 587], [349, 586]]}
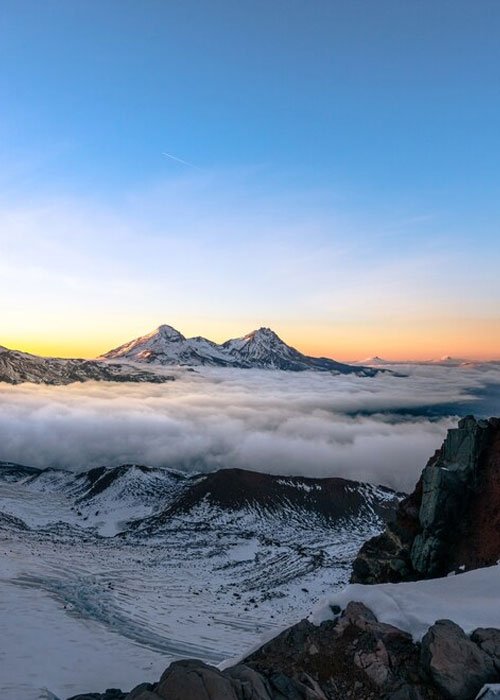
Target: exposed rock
{"points": [[354, 656], [452, 519], [253, 685], [144, 691], [195, 680], [457, 665], [488, 639], [110, 694]]}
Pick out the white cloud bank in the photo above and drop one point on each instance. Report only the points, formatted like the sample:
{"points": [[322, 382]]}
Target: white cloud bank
{"points": [[283, 423]]}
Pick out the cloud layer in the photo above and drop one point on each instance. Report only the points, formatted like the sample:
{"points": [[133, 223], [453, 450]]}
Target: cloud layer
{"points": [[381, 430]]}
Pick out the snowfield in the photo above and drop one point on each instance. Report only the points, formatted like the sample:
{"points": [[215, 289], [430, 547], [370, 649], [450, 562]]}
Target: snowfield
{"points": [[471, 599], [84, 608]]}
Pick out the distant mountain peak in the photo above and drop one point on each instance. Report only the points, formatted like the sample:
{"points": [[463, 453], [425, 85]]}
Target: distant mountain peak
{"points": [[263, 333], [263, 330], [374, 360], [261, 348], [168, 332]]}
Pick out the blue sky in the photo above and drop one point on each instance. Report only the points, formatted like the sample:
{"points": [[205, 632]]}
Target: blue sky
{"points": [[344, 184]]}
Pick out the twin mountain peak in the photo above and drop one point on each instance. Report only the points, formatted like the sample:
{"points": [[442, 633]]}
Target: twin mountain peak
{"points": [[261, 348]]}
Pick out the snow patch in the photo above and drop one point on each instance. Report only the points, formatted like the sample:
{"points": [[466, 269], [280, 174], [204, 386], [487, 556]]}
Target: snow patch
{"points": [[470, 599]]}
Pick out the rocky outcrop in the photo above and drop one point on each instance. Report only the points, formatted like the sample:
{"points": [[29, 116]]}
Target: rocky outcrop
{"points": [[451, 521], [353, 656]]}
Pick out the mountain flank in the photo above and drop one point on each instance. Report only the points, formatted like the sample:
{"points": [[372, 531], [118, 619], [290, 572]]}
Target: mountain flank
{"points": [[329, 498], [18, 367]]}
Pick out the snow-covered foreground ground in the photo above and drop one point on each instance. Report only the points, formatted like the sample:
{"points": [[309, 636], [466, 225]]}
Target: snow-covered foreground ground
{"points": [[470, 599], [82, 612]]}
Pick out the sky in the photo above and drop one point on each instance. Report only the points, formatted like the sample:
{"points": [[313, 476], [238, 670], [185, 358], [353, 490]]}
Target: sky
{"points": [[328, 169]]}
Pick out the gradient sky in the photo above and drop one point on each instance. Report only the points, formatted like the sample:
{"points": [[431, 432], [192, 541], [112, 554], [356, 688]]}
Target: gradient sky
{"points": [[340, 183]]}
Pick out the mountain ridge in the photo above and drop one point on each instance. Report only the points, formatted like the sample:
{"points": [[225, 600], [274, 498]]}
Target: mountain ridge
{"points": [[17, 367], [261, 348]]}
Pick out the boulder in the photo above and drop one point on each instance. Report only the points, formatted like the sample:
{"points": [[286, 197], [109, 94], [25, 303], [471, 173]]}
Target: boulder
{"points": [[252, 685], [194, 680], [458, 667], [488, 639], [144, 691]]}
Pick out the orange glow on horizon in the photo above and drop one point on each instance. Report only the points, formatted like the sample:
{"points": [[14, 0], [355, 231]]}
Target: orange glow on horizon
{"points": [[475, 339]]}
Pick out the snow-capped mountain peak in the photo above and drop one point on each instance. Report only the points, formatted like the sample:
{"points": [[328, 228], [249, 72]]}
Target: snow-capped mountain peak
{"points": [[262, 337], [167, 346], [261, 348], [168, 333], [262, 333]]}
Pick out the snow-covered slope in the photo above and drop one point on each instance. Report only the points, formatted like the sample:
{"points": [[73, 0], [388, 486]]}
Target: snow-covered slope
{"points": [[260, 349], [201, 566], [470, 599], [167, 346], [17, 367]]}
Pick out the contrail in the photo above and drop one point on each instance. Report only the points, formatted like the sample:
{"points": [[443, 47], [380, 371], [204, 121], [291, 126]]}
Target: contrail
{"points": [[179, 160]]}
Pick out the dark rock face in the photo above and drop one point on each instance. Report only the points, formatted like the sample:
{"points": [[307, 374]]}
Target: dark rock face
{"points": [[452, 519]]}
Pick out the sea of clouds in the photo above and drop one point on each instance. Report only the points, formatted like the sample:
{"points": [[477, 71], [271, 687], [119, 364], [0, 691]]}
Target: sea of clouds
{"points": [[381, 429]]}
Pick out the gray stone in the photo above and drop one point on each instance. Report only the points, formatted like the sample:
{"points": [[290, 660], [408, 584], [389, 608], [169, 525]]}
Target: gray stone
{"points": [[144, 695], [144, 691], [140, 692], [286, 688], [488, 639], [457, 666], [195, 680], [253, 686]]}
